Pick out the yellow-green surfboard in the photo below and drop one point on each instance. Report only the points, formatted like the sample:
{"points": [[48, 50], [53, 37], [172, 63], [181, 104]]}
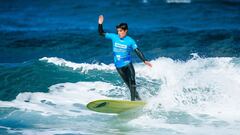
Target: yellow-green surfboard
{"points": [[114, 106]]}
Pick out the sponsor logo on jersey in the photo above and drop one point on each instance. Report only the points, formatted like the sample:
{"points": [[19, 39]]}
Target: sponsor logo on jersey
{"points": [[121, 46]]}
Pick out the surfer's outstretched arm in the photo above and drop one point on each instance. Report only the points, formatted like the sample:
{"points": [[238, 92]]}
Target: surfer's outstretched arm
{"points": [[100, 25], [141, 56]]}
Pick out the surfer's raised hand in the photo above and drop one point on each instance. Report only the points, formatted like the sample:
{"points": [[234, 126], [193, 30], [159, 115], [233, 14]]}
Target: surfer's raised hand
{"points": [[148, 63], [100, 19]]}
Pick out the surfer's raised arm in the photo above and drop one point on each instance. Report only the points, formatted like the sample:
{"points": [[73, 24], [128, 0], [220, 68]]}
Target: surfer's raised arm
{"points": [[100, 25]]}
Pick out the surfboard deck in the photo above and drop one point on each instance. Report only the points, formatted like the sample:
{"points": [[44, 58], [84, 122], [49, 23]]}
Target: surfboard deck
{"points": [[114, 106]]}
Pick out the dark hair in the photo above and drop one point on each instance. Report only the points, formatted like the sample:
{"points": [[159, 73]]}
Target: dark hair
{"points": [[123, 26]]}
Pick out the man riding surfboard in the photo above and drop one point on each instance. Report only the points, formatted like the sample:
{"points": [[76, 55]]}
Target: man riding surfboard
{"points": [[122, 47]]}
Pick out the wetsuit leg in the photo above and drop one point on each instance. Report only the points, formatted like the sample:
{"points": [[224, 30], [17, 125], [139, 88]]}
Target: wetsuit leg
{"points": [[128, 75], [132, 81], [122, 73]]}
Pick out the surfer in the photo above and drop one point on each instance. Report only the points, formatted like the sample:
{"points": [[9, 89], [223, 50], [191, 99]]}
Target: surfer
{"points": [[122, 47]]}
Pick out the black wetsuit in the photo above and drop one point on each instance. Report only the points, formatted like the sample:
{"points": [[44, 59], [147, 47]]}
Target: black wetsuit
{"points": [[127, 72]]}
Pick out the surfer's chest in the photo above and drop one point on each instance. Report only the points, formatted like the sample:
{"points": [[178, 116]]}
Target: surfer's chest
{"points": [[121, 44]]}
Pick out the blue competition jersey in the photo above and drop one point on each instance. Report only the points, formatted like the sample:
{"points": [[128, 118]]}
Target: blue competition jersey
{"points": [[121, 49]]}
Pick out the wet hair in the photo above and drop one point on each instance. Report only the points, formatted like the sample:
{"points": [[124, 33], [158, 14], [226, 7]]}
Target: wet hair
{"points": [[123, 26]]}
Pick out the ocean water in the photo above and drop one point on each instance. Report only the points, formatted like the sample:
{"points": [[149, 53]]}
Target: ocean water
{"points": [[53, 62]]}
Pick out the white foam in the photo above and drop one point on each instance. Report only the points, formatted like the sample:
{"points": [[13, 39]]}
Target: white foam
{"points": [[62, 98], [197, 86], [155, 126], [84, 67]]}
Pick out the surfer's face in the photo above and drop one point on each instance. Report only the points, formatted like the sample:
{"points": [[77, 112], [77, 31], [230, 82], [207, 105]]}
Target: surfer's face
{"points": [[121, 32]]}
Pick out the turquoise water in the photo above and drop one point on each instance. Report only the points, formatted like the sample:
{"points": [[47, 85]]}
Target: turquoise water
{"points": [[183, 97]]}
